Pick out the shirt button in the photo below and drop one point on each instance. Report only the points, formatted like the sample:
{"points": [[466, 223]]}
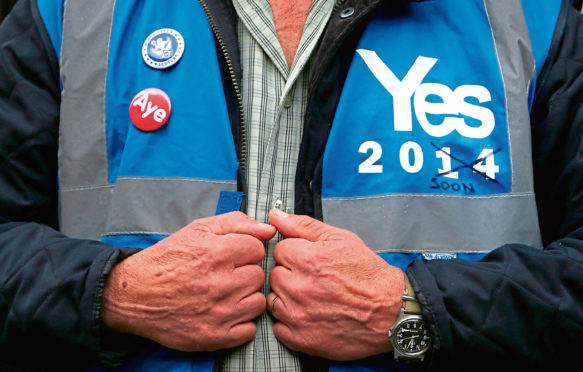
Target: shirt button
{"points": [[279, 205], [288, 102]]}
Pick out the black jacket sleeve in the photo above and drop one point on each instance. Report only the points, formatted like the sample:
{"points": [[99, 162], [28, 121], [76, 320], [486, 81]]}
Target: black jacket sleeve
{"points": [[520, 306], [50, 285]]}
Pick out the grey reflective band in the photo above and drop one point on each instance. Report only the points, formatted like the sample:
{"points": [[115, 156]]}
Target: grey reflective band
{"points": [[437, 223], [517, 66], [138, 205], [87, 28]]}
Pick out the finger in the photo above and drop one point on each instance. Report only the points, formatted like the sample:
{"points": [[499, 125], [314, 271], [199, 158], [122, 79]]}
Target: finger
{"points": [[277, 307], [248, 279], [234, 222], [304, 227], [292, 252], [280, 280], [249, 308], [286, 336], [239, 334], [272, 300], [242, 249]]}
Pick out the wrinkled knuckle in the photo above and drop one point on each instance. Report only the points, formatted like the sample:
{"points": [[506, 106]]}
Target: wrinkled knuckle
{"points": [[252, 247], [222, 314], [257, 275], [260, 249], [222, 288], [251, 332], [259, 304]]}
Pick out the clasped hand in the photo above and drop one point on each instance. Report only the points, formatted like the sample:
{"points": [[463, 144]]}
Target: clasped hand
{"points": [[198, 289], [336, 298]]}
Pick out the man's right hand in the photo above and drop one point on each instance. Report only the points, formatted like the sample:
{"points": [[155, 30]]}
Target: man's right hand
{"points": [[197, 290]]}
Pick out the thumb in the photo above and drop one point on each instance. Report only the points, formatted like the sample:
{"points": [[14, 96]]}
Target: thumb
{"points": [[234, 223], [303, 227]]}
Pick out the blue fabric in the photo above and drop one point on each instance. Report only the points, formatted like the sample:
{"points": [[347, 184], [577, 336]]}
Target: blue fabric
{"points": [[229, 201], [379, 363], [197, 141], [132, 241], [157, 359], [51, 12], [541, 19], [460, 119], [402, 260]]}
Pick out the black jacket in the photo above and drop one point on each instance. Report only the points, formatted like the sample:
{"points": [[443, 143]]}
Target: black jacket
{"points": [[519, 306]]}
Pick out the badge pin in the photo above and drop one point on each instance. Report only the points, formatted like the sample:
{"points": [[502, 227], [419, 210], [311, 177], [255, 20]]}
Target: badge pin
{"points": [[163, 48], [150, 109]]}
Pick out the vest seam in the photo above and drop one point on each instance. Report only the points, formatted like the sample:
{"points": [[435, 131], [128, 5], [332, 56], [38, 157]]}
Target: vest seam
{"points": [[82, 188], [524, 194], [155, 179], [176, 179], [505, 87], [424, 251], [60, 140], [106, 170]]}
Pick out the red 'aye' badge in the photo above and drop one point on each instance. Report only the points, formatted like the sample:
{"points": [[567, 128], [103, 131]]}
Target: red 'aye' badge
{"points": [[150, 109]]}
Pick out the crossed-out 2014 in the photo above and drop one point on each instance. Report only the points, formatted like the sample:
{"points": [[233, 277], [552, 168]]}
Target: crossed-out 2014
{"points": [[411, 159]]}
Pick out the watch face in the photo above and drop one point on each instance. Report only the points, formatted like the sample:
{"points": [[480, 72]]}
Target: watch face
{"points": [[412, 337]]}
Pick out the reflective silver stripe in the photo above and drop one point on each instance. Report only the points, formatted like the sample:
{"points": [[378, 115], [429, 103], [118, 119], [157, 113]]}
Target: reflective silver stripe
{"points": [[84, 61], [437, 223], [138, 205], [514, 53], [88, 221]]}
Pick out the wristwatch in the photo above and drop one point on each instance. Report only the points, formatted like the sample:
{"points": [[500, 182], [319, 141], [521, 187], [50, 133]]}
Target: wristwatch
{"points": [[410, 334]]}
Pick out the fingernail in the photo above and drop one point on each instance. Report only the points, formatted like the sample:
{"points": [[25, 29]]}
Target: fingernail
{"points": [[279, 212]]}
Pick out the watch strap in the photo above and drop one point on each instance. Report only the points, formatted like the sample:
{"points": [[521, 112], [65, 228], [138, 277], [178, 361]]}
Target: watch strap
{"points": [[410, 302]]}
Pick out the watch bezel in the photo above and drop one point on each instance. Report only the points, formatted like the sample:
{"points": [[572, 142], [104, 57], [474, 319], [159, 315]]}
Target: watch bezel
{"points": [[407, 318]]}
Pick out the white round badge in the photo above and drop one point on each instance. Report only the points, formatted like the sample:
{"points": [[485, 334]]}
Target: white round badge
{"points": [[163, 48]]}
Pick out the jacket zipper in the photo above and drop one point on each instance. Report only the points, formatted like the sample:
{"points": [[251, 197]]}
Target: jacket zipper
{"points": [[242, 123]]}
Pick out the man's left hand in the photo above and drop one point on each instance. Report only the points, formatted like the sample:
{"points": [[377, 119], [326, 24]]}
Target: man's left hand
{"points": [[332, 296]]}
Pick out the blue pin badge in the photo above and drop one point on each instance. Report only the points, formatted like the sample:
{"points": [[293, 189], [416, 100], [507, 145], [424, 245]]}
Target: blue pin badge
{"points": [[163, 48]]}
